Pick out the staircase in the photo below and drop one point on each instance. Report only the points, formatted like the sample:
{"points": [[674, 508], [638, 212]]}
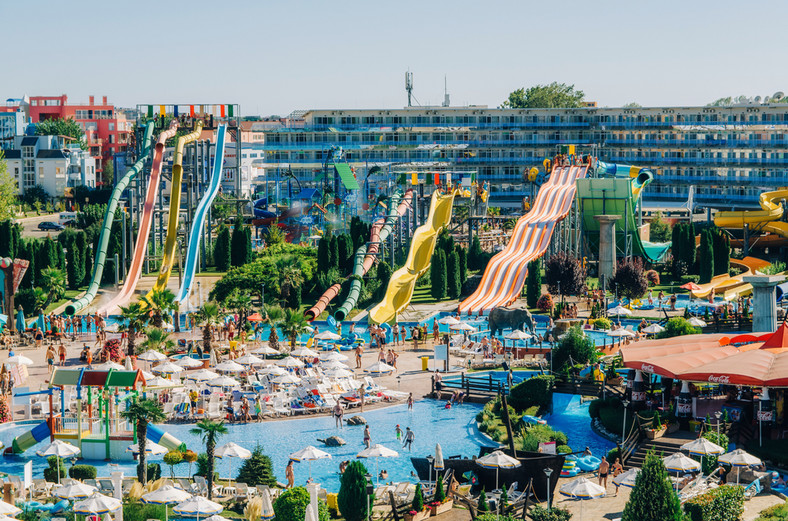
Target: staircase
{"points": [[664, 446]]}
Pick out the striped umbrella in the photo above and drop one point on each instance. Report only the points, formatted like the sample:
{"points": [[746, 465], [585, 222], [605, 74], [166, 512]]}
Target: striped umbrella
{"points": [[166, 495], [97, 504], [196, 506]]}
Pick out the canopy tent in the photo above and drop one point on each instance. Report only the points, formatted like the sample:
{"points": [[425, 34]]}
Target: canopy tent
{"points": [[347, 176], [91, 378]]}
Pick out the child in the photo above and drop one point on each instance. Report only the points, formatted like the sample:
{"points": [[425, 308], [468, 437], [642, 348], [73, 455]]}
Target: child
{"points": [[398, 432]]}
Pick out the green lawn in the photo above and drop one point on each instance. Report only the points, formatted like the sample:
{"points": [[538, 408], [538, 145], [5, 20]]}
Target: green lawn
{"points": [[70, 294]]}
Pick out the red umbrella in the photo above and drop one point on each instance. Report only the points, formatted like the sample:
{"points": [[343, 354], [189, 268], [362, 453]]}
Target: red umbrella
{"points": [[254, 317], [690, 286]]}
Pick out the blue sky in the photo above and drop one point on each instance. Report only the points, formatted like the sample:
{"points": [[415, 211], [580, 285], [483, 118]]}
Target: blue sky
{"points": [[276, 56]]}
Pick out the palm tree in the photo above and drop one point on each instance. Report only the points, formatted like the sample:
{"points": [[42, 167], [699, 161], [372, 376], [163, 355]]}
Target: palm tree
{"points": [[293, 325], [209, 316], [141, 413], [137, 317], [240, 302], [158, 339], [54, 280], [161, 303], [210, 431], [273, 315]]}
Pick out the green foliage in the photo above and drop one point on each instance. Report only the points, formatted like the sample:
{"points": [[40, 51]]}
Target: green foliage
{"points": [[438, 275], [221, 249], [656, 421], [418, 499], [462, 255], [576, 345], [453, 285], [51, 472], [536, 434], [602, 323], [774, 513], [565, 275], [210, 431], [8, 190], [257, 470], [138, 511], [274, 235], [172, 458], [539, 513], [545, 302], [324, 254], [154, 472], [62, 127], [54, 280], [533, 282], [140, 413], [352, 497], [108, 171], [678, 326], [239, 253], [82, 472], [345, 253], [683, 249], [383, 276], [333, 252], [706, 257], [291, 506], [710, 462], [659, 230], [725, 503], [773, 269], [653, 498], [553, 95], [630, 279], [482, 506], [475, 254], [440, 494], [537, 390], [721, 246]]}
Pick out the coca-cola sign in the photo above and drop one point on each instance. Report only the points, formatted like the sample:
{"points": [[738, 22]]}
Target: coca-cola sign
{"points": [[638, 396], [646, 368], [684, 408], [721, 379], [765, 416]]}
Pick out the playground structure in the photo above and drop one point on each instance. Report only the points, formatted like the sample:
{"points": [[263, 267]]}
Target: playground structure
{"points": [[768, 220], [99, 432]]}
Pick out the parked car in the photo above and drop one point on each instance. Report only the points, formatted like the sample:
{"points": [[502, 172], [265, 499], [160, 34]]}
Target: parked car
{"points": [[49, 225]]}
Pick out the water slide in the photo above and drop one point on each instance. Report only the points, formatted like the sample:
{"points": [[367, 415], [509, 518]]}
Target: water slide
{"points": [[200, 214], [365, 257], [101, 253], [30, 438], [721, 284], [163, 438], [403, 281], [168, 258], [505, 274], [616, 192], [767, 219], [133, 276]]}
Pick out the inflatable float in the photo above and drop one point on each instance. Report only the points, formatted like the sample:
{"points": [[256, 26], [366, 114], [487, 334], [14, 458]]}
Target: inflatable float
{"points": [[588, 463], [570, 469]]}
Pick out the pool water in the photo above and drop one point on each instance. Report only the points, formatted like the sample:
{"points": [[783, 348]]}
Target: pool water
{"points": [[570, 416]]}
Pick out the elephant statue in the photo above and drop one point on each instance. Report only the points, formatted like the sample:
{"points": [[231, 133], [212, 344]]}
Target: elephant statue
{"points": [[506, 318]]}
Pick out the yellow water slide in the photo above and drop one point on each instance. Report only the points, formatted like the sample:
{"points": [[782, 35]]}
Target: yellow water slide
{"points": [[765, 220], [723, 284], [175, 208], [400, 288]]}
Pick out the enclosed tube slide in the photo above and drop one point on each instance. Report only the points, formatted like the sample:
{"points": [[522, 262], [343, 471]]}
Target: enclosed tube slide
{"points": [[403, 281], [30, 438], [505, 273], [133, 276], [766, 220], [101, 254], [200, 214], [163, 438], [168, 258], [367, 256]]}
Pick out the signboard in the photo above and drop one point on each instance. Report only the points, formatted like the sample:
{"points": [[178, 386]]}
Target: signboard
{"points": [[547, 447], [28, 476], [441, 352], [765, 416], [20, 267]]}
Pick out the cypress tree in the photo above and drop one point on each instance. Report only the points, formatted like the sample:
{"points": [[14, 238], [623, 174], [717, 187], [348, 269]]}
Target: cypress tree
{"points": [[453, 275], [653, 498], [25, 252], [81, 253], [249, 250], [533, 284], [5, 238], [462, 253], [384, 276], [333, 252], [221, 249], [722, 252], [475, 254], [438, 275], [345, 252], [323, 255], [238, 249], [72, 259], [88, 265], [706, 257], [16, 239], [689, 246], [352, 499]]}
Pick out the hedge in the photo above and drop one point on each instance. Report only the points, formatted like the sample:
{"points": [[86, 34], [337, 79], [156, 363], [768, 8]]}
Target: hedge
{"points": [[82, 472], [537, 390], [725, 503]]}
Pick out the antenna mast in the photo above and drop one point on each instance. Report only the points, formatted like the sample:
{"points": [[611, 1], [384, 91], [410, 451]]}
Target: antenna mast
{"points": [[409, 85]]}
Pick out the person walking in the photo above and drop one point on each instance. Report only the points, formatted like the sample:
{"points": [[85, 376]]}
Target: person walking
{"points": [[339, 411], [409, 437], [367, 436], [289, 474]]}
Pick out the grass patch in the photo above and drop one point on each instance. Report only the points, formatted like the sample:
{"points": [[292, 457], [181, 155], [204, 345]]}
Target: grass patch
{"points": [[70, 294], [422, 295]]}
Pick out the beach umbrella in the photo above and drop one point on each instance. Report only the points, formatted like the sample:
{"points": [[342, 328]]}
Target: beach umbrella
{"points": [[78, 490], [197, 506], [154, 449], [97, 504], [146, 375], [109, 364], [653, 329], [19, 360], [232, 450], [627, 479], [691, 286], [249, 360], [267, 511], [702, 447], [230, 366], [127, 364], [212, 358], [339, 373], [215, 517], [7, 509], [379, 368], [621, 332], [41, 322], [224, 381], [333, 365], [448, 321], [152, 356], [582, 488], [202, 375], [333, 356], [739, 458], [678, 462], [167, 368], [20, 321], [188, 362], [327, 335], [166, 495], [619, 310], [497, 460], [286, 379], [462, 326], [438, 464], [158, 381], [289, 361], [310, 513], [255, 317], [272, 369], [304, 353], [265, 351], [310, 454], [61, 449], [697, 322]]}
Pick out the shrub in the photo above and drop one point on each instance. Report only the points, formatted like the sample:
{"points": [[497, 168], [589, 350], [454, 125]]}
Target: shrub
{"points": [[534, 391], [545, 302], [612, 454], [656, 421], [652, 276], [564, 449], [82, 472], [653, 498], [725, 503], [533, 283], [537, 434], [773, 513], [602, 323], [565, 275], [482, 506], [291, 506], [257, 470], [137, 511], [554, 514], [678, 326], [630, 280], [593, 408], [418, 499], [154, 471], [575, 346], [440, 494], [352, 498], [51, 472]]}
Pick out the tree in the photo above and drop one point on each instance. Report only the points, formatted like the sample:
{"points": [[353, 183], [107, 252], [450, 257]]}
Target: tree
{"points": [[574, 346], [384, 276], [653, 498], [141, 413], [136, 317], [292, 503], [554, 95], [706, 257], [293, 325], [333, 252], [453, 275], [462, 253], [721, 244], [475, 254], [209, 317], [160, 303], [324, 254], [221, 250], [109, 173], [564, 275], [630, 278], [678, 326], [352, 499], [257, 469], [8, 190], [438, 275], [54, 280], [274, 235], [209, 431], [533, 282], [482, 505], [345, 253], [172, 458], [72, 259], [80, 244], [158, 340], [239, 301], [659, 230], [62, 127], [418, 499], [238, 252]]}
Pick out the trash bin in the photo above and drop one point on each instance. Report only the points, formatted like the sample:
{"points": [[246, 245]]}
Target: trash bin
{"points": [[331, 500], [425, 361]]}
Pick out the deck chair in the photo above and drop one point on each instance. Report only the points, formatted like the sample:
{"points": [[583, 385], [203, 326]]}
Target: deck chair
{"points": [[241, 491]]}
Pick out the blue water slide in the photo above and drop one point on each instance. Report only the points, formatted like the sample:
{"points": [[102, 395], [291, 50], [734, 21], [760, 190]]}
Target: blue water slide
{"points": [[199, 217]]}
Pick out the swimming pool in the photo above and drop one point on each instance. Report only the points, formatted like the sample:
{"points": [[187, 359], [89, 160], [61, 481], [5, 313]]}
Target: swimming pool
{"points": [[571, 416]]}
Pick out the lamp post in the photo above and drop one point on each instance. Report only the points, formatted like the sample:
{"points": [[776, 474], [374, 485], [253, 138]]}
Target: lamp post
{"points": [[369, 490], [625, 403], [430, 460], [717, 415], [262, 294], [548, 472]]}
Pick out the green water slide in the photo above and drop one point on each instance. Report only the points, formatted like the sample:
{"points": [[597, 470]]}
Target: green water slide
{"points": [[101, 253], [616, 190]]}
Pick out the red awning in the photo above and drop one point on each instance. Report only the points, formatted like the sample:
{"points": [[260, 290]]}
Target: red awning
{"points": [[754, 367]]}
